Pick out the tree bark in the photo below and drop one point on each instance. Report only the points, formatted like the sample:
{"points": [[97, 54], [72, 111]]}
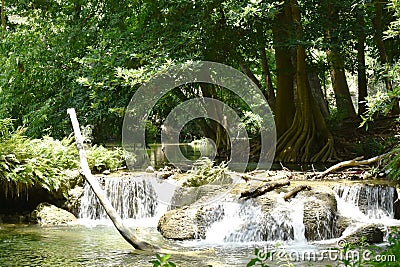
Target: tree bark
{"points": [[263, 189], [308, 138], [267, 79], [285, 107], [295, 191], [352, 163], [361, 68], [316, 90], [344, 104], [111, 212]]}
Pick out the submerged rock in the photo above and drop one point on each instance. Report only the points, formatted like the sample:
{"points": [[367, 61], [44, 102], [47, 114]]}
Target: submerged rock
{"points": [[46, 214], [370, 233]]}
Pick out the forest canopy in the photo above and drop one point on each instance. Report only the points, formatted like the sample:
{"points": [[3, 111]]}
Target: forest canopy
{"points": [[318, 63]]}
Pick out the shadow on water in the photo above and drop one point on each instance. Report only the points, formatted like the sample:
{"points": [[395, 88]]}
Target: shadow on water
{"points": [[159, 160]]}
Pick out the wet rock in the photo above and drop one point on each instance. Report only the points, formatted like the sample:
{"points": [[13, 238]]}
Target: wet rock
{"points": [[186, 196], [341, 224], [370, 233], [396, 205], [46, 214], [178, 224], [205, 216], [74, 200], [165, 174], [320, 209], [150, 169]]}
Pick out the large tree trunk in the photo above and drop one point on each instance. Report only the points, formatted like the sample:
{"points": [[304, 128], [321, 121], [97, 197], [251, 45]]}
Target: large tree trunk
{"points": [[285, 108], [267, 79], [218, 133], [308, 139], [344, 103], [316, 90], [126, 233], [340, 87], [361, 68]]}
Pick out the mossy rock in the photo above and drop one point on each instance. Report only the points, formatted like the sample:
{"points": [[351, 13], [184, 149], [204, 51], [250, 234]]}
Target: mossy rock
{"points": [[46, 214]]}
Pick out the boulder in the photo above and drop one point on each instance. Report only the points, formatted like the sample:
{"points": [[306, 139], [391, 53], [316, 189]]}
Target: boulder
{"points": [[185, 196], [46, 214], [341, 224], [320, 214], [74, 200], [396, 205], [178, 224], [371, 233]]}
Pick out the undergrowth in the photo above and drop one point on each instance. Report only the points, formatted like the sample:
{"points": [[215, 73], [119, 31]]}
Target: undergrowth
{"points": [[26, 162]]}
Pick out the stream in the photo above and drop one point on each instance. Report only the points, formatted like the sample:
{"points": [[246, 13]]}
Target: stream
{"points": [[234, 228]]}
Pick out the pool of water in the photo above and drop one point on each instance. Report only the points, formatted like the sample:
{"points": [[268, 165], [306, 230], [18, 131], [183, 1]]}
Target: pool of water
{"points": [[101, 245]]}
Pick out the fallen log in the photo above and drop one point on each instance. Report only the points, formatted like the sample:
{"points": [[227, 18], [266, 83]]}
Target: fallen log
{"points": [[126, 233], [263, 189], [295, 190], [352, 163]]}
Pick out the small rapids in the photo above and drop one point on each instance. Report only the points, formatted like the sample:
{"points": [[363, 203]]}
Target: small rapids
{"points": [[137, 200], [245, 222]]}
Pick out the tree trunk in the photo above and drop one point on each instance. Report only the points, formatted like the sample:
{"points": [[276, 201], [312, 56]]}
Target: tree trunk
{"points": [[218, 133], [344, 104], [285, 108], [295, 191], [361, 68], [111, 212], [316, 90], [263, 189], [308, 139], [267, 79]]}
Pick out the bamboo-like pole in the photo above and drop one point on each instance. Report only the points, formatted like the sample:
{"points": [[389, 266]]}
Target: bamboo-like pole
{"points": [[126, 233]]}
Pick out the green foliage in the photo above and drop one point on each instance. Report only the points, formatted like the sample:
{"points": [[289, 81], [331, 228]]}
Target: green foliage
{"points": [[393, 166], [100, 158], [40, 162], [43, 162], [392, 249], [204, 172], [260, 259], [162, 261], [369, 148], [379, 104], [252, 122]]}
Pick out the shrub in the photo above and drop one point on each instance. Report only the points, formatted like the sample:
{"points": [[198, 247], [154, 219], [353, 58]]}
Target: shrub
{"points": [[204, 172], [43, 162]]}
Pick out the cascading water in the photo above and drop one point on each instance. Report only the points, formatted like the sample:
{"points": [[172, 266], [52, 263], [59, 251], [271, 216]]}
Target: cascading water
{"points": [[364, 201], [132, 197], [245, 222]]}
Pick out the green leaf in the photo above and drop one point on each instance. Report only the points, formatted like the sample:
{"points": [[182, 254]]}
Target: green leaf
{"points": [[252, 262]]}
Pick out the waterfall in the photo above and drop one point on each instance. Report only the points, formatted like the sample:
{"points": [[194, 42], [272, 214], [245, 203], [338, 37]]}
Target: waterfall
{"points": [[365, 201], [245, 222], [132, 197]]}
